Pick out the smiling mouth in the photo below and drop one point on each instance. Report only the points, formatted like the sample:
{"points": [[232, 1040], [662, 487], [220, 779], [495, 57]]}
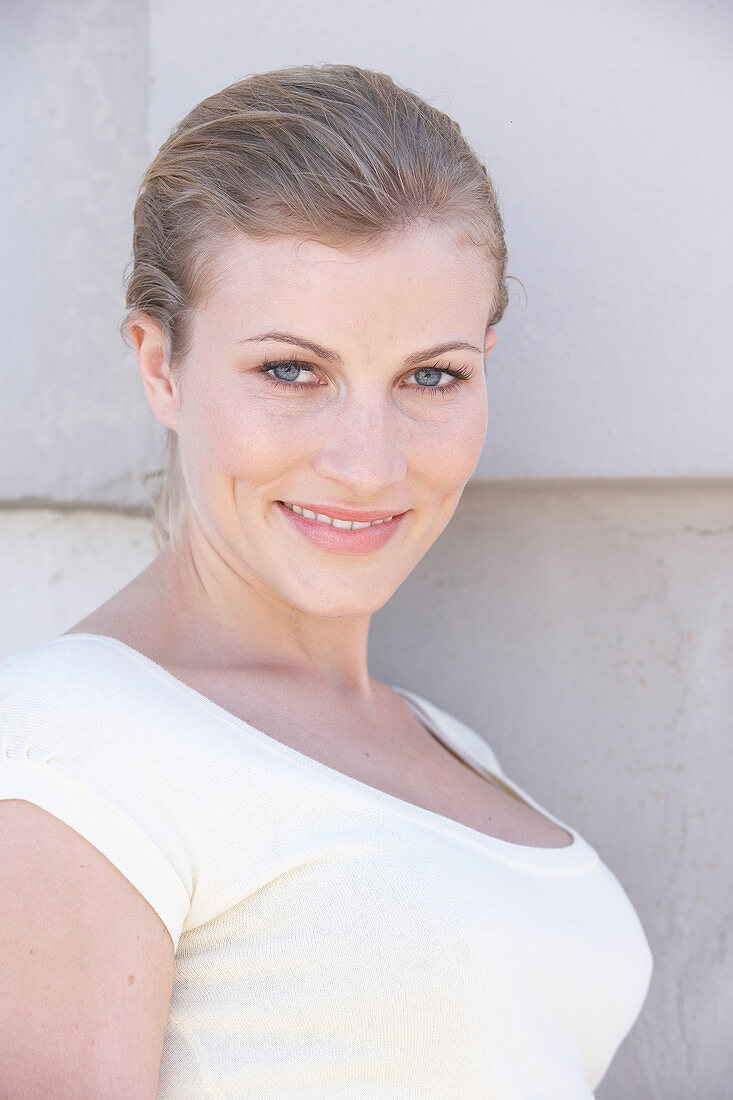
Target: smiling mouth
{"points": [[331, 521]]}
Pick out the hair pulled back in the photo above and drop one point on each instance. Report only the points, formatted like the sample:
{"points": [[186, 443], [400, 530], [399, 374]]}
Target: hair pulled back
{"points": [[332, 153]]}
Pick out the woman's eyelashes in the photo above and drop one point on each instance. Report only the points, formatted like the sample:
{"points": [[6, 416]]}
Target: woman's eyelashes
{"points": [[293, 367]]}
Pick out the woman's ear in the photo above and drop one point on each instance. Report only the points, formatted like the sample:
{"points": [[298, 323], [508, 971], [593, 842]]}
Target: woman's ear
{"points": [[153, 360], [491, 337]]}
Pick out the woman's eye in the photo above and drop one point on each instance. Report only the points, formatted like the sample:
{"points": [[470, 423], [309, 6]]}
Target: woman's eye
{"points": [[430, 377], [289, 371], [286, 373], [429, 383]]}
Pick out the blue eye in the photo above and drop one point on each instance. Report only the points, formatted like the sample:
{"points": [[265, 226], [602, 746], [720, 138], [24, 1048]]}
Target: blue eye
{"points": [[431, 370], [458, 374], [292, 367]]}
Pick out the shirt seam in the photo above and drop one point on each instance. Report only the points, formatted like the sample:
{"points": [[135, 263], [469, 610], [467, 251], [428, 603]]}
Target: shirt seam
{"points": [[48, 766], [213, 1091]]}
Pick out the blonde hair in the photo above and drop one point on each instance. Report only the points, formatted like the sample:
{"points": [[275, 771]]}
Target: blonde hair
{"points": [[331, 153]]}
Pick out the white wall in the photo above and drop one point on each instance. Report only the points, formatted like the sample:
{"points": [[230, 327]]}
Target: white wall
{"points": [[584, 627], [73, 424]]}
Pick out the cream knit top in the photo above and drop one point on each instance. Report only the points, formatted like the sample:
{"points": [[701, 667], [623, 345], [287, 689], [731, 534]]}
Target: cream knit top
{"points": [[332, 940]]}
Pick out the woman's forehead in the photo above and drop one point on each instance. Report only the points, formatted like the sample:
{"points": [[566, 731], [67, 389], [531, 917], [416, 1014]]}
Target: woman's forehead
{"points": [[417, 270]]}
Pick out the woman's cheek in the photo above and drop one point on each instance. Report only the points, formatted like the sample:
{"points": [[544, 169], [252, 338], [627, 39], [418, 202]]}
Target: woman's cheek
{"points": [[447, 457], [254, 446], [469, 442], [254, 441]]}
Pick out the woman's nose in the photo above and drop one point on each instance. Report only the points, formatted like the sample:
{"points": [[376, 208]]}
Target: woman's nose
{"points": [[363, 448]]}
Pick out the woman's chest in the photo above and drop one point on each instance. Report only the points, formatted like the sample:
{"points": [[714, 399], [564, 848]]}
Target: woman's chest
{"points": [[422, 954], [385, 748]]}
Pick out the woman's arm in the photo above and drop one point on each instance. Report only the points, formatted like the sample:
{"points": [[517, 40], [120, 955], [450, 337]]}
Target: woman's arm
{"points": [[86, 968]]}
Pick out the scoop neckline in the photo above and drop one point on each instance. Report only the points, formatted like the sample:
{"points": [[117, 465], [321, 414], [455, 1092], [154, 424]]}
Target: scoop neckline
{"points": [[568, 858]]}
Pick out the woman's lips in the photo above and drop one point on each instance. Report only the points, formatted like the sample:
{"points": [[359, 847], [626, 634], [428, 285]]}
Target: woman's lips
{"points": [[354, 515], [338, 540]]}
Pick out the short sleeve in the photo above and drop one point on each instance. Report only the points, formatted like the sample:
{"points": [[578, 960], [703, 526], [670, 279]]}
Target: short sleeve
{"points": [[69, 746]]}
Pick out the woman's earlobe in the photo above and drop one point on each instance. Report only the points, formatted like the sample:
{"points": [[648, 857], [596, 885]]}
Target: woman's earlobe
{"points": [[153, 359]]}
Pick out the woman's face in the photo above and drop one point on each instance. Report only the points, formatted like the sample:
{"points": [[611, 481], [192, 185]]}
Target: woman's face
{"points": [[321, 377]]}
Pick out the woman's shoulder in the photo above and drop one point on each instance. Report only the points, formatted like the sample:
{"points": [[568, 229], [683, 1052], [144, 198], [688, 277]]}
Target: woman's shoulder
{"points": [[75, 741], [45, 662], [84, 690], [75, 660]]}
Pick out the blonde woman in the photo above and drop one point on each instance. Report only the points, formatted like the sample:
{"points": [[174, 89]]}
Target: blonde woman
{"points": [[234, 863]]}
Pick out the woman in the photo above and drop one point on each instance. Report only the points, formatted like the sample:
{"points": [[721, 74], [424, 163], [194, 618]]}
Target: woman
{"points": [[239, 866]]}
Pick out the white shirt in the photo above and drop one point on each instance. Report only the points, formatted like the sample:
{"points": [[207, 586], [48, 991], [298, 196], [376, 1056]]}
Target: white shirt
{"points": [[332, 940]]}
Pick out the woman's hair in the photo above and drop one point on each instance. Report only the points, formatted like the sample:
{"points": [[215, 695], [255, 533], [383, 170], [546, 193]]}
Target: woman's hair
{"points": [[331, 153]]}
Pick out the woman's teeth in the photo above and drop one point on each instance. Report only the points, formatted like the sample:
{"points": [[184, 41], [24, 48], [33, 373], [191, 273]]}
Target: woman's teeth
{"points": [[344, 524]]}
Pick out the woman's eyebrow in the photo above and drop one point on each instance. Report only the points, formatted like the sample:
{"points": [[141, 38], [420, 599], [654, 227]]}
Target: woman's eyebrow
{"points": [[334, 357]]}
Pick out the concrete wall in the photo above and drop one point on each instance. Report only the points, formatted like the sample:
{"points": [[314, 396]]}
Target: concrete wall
{"points": [[576, 611], [73, 421]]}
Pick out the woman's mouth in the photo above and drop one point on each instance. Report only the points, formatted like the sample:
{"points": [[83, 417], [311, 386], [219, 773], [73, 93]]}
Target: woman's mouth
{"points": [[338, 535], [335, 521]]}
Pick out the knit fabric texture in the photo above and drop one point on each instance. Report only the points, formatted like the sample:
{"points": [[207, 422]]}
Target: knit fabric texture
{"points": [[331, 940]]}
